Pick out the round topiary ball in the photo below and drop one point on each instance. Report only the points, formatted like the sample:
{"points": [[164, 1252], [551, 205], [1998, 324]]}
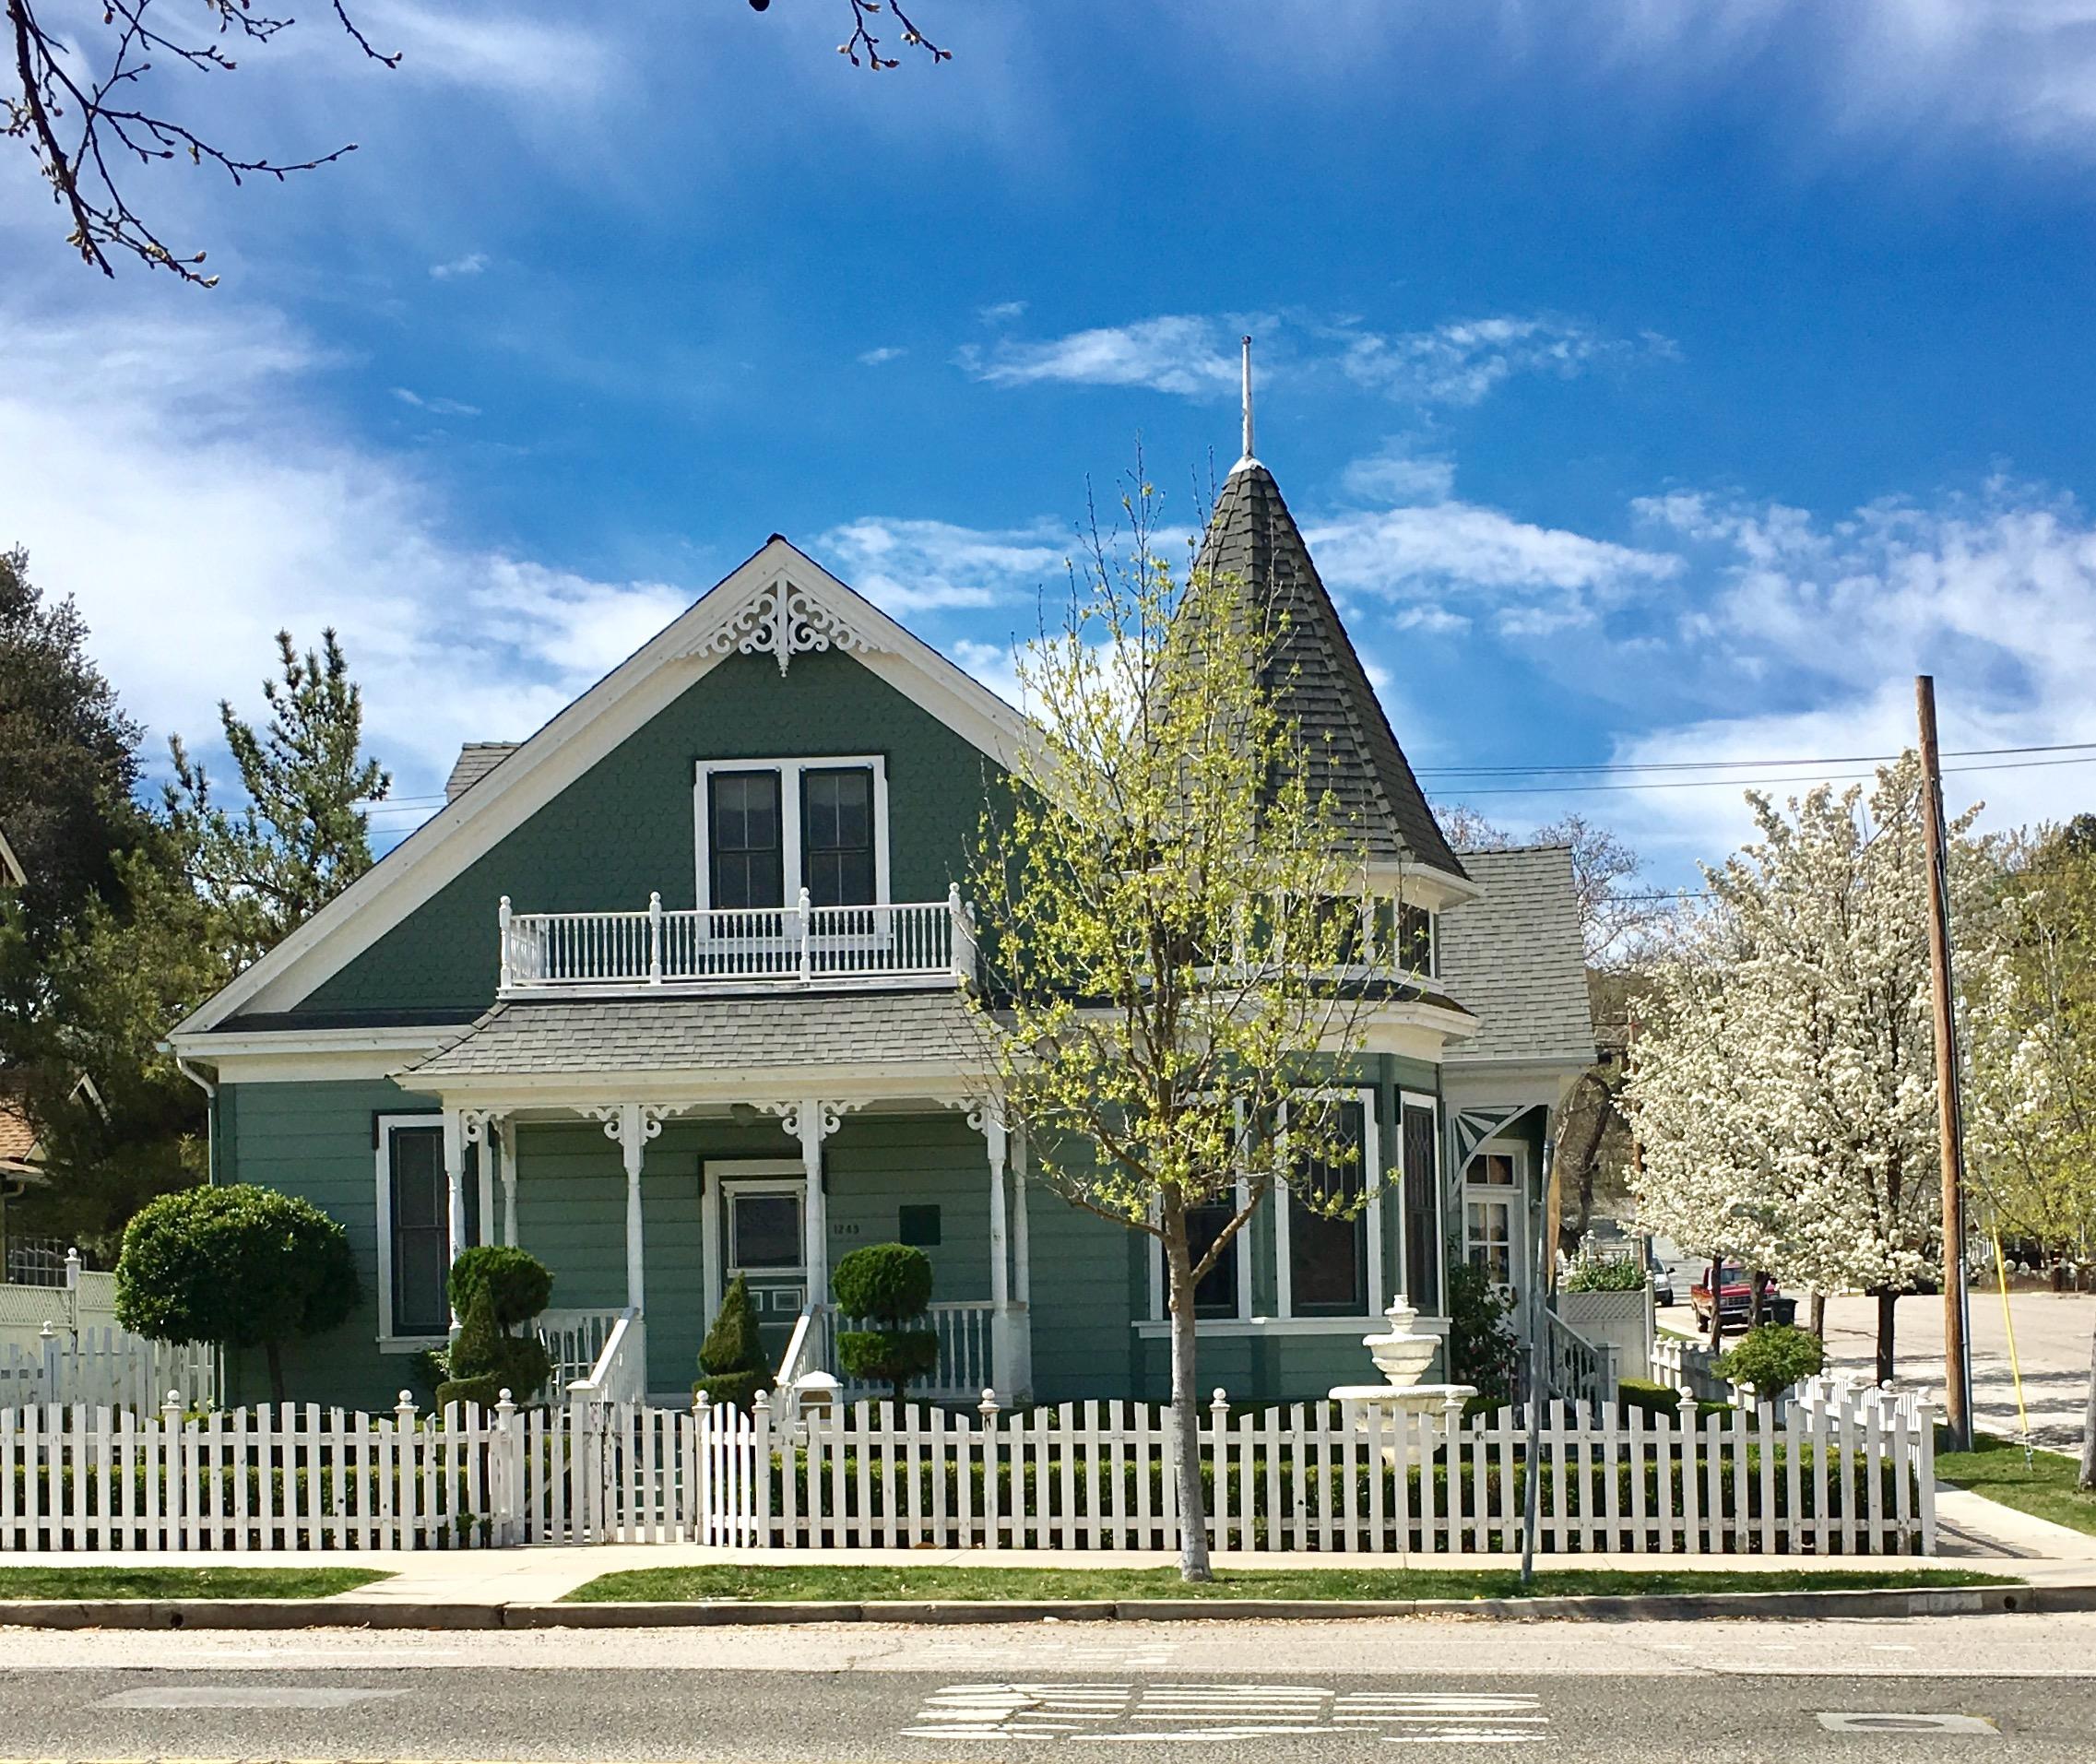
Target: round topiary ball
{"points": [[884, 1282], [518, 1284]]}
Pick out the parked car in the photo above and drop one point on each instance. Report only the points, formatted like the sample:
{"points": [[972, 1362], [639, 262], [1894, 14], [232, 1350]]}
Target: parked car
{"points": [[1661, 1275], [1735, 1299]]}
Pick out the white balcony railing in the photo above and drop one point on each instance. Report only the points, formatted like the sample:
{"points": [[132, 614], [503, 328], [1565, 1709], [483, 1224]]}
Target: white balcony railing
{"points": [[905, 944]]}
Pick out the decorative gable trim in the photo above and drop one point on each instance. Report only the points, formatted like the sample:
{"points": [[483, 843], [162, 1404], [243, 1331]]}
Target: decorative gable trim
{"points": [[780, 585], [785, 621]]}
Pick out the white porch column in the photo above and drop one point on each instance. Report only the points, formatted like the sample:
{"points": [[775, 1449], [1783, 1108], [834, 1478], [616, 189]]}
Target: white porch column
{"points": [[1021, 1260], [632, 1144], [815, 1213], [505, 1138], [985, 1119], [454, 1185]]}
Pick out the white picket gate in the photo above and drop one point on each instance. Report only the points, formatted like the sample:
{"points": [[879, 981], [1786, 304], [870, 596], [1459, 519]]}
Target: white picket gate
{"points": [[105, 1366], [1845, 1477]]}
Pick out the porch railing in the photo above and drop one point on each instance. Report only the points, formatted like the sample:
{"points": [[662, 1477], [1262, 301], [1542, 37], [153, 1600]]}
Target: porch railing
{"points": [[686, 949], [965, 1370], [1576, 1369], [620, 1374]]}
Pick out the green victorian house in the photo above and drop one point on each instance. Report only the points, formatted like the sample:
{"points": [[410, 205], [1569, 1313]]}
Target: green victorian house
{"points": [[672, 991]]}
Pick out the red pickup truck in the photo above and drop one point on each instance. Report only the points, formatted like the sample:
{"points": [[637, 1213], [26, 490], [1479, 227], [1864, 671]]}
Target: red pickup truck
{"points": [[1735, 1299]]}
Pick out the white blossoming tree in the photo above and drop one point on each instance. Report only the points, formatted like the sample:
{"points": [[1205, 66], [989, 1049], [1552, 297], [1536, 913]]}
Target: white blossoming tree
{"points": [[1784, 1088]]}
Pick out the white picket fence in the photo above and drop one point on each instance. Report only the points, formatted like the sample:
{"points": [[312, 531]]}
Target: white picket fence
{"points": [[105, 1366], [1845, 1478]]}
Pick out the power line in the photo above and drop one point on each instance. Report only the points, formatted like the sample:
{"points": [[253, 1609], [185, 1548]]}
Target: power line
{"points": [[1459, 791], [1729, 766]]}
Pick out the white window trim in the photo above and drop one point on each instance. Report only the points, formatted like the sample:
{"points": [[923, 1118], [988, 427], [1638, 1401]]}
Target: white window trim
{"points": [[789, 814], [1420, 1099], [1372, 1216], [389, 1342], [714, 1173]]}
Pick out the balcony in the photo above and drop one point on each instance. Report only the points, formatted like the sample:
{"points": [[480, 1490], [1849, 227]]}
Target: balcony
{"points": [[893, 944]]}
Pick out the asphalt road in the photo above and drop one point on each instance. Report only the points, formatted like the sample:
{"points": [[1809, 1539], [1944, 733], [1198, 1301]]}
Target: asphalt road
{"points": [[2020, 1687]]}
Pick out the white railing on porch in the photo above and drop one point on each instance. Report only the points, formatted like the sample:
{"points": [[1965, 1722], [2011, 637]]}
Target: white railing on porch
{"points": [[1574, 1369], [574, 1341], [1847, 1478], [966, 1366], [891, 943], [620, 1371]]}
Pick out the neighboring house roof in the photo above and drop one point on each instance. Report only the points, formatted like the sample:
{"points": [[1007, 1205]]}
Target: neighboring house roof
{"points": [[1254, 539], [548, 1037], [11, 870], [1516, 959], [475, 761], [778, 603], [19, 1148]]}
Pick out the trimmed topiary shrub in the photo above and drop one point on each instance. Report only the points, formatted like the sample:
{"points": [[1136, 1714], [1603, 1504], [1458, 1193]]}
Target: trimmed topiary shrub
{"points": [[238, 1266], [1773, 1358], [485, 1362], [518, 1284], [731, 1359], [887, 1285]]}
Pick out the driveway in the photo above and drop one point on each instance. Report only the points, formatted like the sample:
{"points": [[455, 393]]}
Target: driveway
{"points": [[2052, 1342]]}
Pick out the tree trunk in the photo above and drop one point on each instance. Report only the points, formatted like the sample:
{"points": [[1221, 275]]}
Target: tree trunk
{"points": [[2088, 1477], [1186, 1401], [1888, 1310], [275, 1350], [1819, 1315], [1757, 1293], [1713, 1283]]}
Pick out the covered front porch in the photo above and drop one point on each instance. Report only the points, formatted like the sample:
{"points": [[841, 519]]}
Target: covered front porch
{"points": [[627, 1146]]}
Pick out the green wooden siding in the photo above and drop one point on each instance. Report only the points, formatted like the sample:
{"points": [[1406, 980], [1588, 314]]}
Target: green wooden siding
{"points": [[625, 828]]}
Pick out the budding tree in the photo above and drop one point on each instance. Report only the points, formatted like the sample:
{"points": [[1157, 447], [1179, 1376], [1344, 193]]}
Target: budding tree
{"points": [[1167, 902]]}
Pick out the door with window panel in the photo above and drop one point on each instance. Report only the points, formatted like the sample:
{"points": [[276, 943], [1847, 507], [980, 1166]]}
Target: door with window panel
{"points": [[1495, 1220]]}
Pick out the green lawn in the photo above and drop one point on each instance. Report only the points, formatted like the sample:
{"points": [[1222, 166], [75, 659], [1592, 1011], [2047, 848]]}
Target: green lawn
{"points": [[2044, 1488], [182, 1582], [852, 1585]]}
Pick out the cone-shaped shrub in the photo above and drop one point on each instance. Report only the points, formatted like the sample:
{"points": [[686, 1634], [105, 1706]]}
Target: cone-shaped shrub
{"points": [[731, 1359], [888, 1284]]}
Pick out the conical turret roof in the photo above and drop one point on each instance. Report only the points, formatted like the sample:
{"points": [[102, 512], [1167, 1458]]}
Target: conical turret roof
{"points": [[1253, 540]]}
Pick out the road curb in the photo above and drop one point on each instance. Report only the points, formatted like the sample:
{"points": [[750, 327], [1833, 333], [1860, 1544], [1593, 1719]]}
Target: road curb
{"points": [[407, 1614]]}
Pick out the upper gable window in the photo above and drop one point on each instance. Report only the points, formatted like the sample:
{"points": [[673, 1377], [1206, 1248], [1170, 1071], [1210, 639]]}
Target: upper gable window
{"points": [[769, 828]]}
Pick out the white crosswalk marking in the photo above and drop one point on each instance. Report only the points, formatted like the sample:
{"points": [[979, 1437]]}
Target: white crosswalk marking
{"points": [[1195, 1712]]}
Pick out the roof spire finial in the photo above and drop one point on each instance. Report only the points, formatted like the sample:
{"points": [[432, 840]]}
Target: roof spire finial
{"points": [[1248, 454]]}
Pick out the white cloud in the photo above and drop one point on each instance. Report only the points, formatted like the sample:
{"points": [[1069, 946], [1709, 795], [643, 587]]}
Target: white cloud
{"points": [[906, 566], [1002, 311], [1399, 475], [1190, 355], [1447, 563], [492, 49], [995, 665], [435, 407], [182, 486], [1460, 363], [473, 264], [881, 356]]}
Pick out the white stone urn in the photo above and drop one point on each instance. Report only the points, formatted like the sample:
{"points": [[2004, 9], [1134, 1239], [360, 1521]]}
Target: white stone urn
{"points": [[1404, 1353]]}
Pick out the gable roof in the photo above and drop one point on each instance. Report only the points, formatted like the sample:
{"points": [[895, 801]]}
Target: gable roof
{"points": [[779, 602], [1253, 540], [475, 761], [11, 870], [1515, 957]]}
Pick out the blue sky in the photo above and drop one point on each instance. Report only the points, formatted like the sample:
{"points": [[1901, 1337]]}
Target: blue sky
{"points": [[1655, 381]]}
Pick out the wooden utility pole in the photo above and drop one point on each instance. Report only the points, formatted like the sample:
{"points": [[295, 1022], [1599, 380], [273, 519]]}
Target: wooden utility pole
{"points": [[1956, 1367]]}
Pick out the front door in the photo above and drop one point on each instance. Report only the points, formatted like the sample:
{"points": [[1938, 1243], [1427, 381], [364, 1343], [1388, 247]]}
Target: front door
{"points": [[766, 1242], [1495, 1236]]}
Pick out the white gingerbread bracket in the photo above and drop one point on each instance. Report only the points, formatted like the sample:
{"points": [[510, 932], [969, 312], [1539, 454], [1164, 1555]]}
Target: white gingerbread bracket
{"points": [[783, 620]]}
